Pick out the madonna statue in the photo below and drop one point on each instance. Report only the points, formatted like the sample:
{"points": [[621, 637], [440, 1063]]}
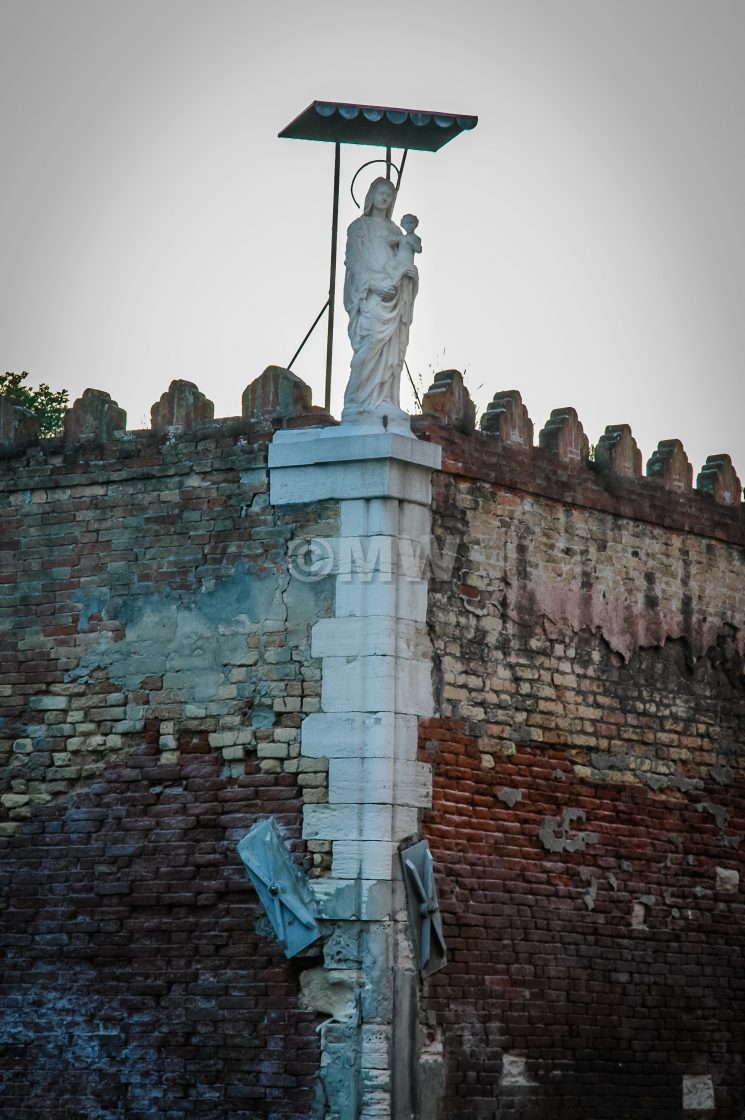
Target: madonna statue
{"points": [[379, 289]]}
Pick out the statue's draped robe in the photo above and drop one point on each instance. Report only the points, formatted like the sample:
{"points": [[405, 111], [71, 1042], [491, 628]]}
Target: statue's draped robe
{"points": [[378, 328]]}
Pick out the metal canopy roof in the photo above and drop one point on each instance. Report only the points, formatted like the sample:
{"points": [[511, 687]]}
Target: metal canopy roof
{"points": [[376, 126]]}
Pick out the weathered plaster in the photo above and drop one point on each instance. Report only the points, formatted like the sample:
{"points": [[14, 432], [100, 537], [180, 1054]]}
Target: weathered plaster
{"points": [[636, 584], [557, 835]]}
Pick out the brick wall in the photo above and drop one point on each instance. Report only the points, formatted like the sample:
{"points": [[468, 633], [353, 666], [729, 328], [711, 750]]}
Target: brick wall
{"points": [[587, 756], [155, 671], [588, 791]]}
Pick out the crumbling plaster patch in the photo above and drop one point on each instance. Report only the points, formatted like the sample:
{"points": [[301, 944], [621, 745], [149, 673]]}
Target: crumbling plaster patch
{"points": [[185, 642], [587, 570], [698, 1093], [590, 894], [728, 880], [228, 655], [718, 812], [515, 1071], [556, 833], [332, 992]]}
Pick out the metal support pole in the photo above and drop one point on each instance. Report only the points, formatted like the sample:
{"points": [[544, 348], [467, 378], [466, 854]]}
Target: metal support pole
{"points": [[388, 163], [332, 276], [401, 168], [310, 332]]}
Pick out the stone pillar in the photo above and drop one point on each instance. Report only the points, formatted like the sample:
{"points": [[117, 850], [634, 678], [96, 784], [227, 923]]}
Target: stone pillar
{"points": [[376, 682]]}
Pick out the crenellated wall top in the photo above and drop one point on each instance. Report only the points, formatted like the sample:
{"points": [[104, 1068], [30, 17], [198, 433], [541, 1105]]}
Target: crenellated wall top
{"points": [[95, 442], [562, 465]]}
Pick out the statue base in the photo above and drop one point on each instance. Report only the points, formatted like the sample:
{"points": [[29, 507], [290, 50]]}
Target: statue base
{"points": [[387, 416], [359, 458]]}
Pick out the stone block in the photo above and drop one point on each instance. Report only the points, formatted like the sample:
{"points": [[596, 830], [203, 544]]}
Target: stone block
{"points": [[376, 684], [345, 443], [19, 428], [385, 517], [277, 394], [94, 416], [356, 734], [507, 417], [398, 598], [378, 635], [376, 1046], [359, 822], [182, 406], [360, 559], [719, 479], [363, 859], [379, 780], [564, 436], [362, 780], [340, 462], [449, 400], [617, 452], [362, 479]]}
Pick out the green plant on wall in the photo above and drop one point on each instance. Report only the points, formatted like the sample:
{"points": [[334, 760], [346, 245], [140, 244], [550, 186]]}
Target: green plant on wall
{"points": [[49, 405]]}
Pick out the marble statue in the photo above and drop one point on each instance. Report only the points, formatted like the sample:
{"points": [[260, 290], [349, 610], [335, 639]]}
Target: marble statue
{"points": [[380, 286]]}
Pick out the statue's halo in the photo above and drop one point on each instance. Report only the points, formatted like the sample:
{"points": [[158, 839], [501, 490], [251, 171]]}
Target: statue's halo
{"points": [[388, 163]]}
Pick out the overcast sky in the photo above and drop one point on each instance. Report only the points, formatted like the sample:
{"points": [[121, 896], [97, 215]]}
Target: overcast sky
{"points": [[585, 244]]}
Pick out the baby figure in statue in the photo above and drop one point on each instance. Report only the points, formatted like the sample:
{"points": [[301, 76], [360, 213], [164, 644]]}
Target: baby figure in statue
{"points": [[407, 247], [380, 286]]}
